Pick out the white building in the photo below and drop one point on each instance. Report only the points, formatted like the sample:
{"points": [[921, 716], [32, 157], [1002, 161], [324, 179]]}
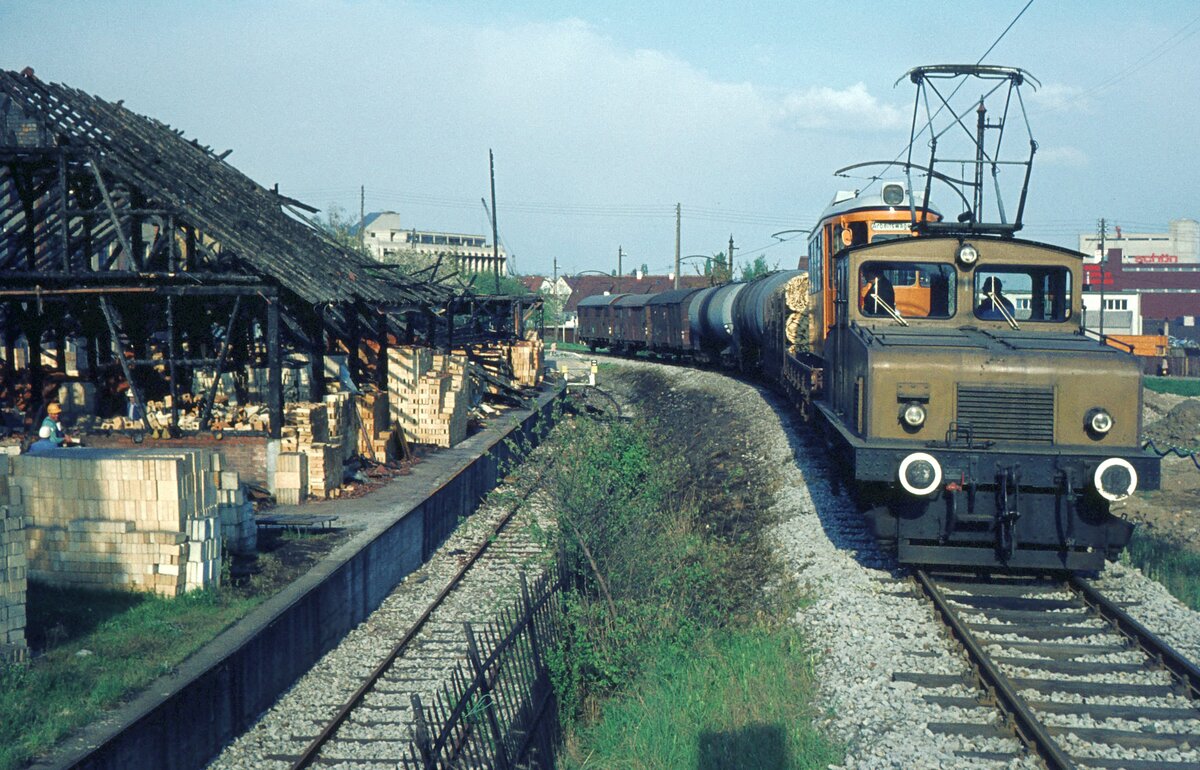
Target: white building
{"points": [[1122, 312], [387, 240], [1180, 245]]}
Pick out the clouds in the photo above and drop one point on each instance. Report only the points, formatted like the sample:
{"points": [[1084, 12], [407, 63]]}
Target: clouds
{"points": [[849, 109]]}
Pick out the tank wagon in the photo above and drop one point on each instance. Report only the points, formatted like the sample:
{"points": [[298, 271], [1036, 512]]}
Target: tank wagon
{"points": [[945, 364]]}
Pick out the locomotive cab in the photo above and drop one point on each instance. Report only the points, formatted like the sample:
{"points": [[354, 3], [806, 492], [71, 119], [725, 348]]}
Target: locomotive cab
{"points": [[974, 411]]}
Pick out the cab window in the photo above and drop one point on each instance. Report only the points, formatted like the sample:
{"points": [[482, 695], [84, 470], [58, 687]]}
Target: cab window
{"points": [[907, 289], [1022, 293]]}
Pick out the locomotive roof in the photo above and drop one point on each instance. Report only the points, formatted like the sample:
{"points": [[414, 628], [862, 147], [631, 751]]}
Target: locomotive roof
{"points": [[858, 201]]}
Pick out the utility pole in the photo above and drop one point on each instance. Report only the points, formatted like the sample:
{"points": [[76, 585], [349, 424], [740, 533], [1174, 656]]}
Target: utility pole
{"points": [[731, 257], [677, 210], [362, 216], [1103, 265], [620, 256], [558, 310], [495, 230]]}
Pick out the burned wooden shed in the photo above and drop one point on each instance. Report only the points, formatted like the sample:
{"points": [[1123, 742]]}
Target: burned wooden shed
{"points": [[150, 261]]}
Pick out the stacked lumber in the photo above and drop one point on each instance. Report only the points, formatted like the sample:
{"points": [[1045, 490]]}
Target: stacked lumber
{"points": [[798, 326], [509, 366], [13, 581], [140, 519], [304, 424], [291, 478], [430, 395]]}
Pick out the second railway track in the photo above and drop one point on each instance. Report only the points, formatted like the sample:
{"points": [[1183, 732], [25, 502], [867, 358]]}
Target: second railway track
{"points": [[355, 710], [1073, 676]]}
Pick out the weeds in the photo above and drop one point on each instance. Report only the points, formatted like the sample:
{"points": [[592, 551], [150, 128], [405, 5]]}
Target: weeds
{"points": [[1175, 567]]}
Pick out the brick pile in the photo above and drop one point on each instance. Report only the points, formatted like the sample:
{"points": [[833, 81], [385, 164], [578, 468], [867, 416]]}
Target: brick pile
{"points": [[527, 361], [238, 529], [13, 584], [430, 395], [143, 519], [291, 478]]}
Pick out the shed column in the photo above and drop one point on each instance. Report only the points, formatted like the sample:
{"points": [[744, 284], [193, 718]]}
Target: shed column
{"points": [[274, 369]]}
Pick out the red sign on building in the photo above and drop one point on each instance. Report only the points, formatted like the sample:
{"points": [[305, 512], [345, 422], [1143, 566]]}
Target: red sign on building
{"points": [[1156, 259]]}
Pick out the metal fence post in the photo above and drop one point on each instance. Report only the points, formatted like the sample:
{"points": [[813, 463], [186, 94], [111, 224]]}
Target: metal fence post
{"points": [[422, 734], [485, 696]]}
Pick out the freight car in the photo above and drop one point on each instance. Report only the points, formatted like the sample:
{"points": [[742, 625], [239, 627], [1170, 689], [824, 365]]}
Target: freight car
{"points": [[945, 364]]}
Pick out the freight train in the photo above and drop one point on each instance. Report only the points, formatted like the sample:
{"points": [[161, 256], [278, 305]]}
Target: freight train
{"points": [[946, 365]]}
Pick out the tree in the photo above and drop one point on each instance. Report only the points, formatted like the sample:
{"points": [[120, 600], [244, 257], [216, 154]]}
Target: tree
{"points": [[338, 225], [485, 283], [758, 269]]}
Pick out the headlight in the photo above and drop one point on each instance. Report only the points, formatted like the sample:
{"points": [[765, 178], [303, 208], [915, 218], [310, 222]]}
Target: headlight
{"points": [[968, 254], [893, 194], [1115, 479], [1099, 421], [920, 473], [913, 415]]}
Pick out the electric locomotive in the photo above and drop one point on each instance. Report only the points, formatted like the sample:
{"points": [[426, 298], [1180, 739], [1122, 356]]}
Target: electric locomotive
{"points": [[945, 362]]}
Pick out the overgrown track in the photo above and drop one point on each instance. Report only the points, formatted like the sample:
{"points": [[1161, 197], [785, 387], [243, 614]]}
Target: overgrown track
{"points": [[376, 725], [1079, 682]]}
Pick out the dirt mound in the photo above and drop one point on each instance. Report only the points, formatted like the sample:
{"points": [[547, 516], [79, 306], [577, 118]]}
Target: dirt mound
{"points": [[1180, 426]]}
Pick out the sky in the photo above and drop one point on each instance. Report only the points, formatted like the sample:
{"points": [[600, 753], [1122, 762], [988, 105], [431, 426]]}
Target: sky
{"points": [[603, 116]]}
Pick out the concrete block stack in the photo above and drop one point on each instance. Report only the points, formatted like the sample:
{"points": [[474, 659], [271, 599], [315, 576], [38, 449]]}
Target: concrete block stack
{"points": [[236, 512], [142, 519], [430, 395], [13, 582], [375, 438], [291, 478]]}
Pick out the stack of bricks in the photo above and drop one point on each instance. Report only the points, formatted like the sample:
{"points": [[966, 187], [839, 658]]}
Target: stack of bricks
{"points": [[291, 478], [142, 519], [13, 583], [307, 432], [375, 438], [236, 512], [527, 362], [429, 395]]}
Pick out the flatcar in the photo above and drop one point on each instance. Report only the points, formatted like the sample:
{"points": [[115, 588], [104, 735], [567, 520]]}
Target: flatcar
{"points": [[946, 366]]}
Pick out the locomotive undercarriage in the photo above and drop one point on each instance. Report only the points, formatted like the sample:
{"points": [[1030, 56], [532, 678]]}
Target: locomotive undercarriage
{"points": [[1010, 509]]}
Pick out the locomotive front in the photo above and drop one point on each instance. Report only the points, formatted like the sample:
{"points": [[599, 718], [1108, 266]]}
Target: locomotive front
{"points": [[980, 421]]}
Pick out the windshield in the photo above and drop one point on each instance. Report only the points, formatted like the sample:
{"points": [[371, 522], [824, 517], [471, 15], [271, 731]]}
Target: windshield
{"points": [[902, 290], [1022, 293]]}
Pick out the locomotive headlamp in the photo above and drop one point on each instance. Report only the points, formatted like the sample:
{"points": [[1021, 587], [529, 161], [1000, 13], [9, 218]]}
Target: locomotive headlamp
{"points": [[1099, 422], [920, 473], [913, 415], [968, 254], [893, 194], [1115, 479]]}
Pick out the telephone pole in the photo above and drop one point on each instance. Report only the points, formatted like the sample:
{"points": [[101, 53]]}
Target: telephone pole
{"points": [[1103, 264], [677, 210], [731, 257], [362, 216], [495, 230], [557, 309], [620, 256]]}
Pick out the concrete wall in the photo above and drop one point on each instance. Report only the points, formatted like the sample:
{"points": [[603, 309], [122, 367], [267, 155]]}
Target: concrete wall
{"points": [[183, 722]]}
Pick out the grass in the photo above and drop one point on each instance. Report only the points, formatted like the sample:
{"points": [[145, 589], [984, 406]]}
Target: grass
{"points": [[103, 647], [736, 699], [1179, 386], [1172, 565], [667, 658]]}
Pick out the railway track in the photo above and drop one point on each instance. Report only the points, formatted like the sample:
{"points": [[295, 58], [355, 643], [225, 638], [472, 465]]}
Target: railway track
{"points": [[1061, 671], [374, 726]]}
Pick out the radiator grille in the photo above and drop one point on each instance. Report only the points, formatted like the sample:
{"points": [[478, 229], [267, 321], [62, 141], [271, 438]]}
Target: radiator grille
{"points": [[1007, 414]]}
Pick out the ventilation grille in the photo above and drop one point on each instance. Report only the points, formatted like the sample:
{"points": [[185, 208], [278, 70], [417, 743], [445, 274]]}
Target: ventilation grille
{"points": [[1007, 414]]}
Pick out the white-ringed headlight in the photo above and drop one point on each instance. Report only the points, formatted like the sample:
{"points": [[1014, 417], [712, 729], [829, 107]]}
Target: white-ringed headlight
{"points": [[1099, 421], [920, 474], [913, 415], [1115, 479], [968, 254]]}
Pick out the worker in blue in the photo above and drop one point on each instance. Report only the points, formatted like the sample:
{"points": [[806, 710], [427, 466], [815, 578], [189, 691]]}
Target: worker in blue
{"points": [[50, 433], [994, 306]]}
